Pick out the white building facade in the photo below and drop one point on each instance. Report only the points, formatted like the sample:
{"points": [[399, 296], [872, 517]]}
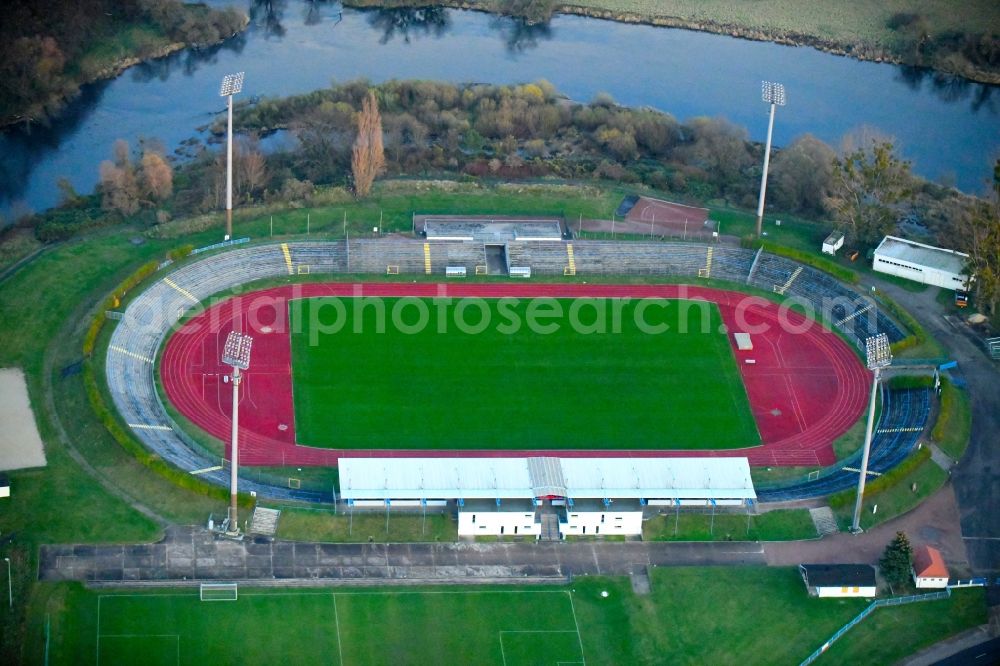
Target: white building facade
{"points": [[921, 263]]}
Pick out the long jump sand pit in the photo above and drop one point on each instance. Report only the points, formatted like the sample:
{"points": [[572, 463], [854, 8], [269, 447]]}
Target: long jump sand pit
{"points": [[20, 443]]}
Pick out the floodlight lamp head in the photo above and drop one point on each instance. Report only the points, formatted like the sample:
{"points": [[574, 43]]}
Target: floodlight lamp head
{"points": [[231, 84], [236, 352], [772, 93], [878, 351]]}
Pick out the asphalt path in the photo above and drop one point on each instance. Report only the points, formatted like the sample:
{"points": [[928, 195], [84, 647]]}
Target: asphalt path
{"points": [[976, 478]]}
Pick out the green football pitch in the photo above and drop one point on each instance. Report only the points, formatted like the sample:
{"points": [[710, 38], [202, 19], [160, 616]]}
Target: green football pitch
{"points": [[408, 373], [739, 616], [503, 627]]}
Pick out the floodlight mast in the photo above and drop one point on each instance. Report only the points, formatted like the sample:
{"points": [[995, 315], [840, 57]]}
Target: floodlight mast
{"points": [[231, 85], [236, 354], [773, 94], [879, 356]]}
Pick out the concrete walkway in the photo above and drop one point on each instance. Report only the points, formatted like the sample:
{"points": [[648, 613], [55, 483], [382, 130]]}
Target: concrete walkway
{"points": [[191, 553]]}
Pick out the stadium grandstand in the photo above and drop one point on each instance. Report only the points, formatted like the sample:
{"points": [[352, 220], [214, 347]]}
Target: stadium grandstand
{"points": [[544, 497]]}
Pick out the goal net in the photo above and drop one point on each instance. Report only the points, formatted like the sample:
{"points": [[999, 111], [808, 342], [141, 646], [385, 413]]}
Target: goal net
{"points": [[218, 592]]}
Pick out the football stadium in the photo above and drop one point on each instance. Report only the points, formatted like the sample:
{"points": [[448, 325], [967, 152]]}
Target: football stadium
{"points": [[489, 338]]}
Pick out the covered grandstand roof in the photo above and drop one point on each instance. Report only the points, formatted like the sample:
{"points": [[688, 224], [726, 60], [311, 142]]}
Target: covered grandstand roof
{"points": [[523, 478], [683, 478], [440, 478]]}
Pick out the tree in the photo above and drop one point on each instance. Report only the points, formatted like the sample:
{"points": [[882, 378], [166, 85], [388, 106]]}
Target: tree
{"points": [[119, 184], [157, 177], [982, 233], [324, 135], [720, 148], [895, 560], [802, 176], [251, 167], [367, 156], [867, 182]]}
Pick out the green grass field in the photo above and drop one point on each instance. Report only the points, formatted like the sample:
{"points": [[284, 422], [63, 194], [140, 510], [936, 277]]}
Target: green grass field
{"points": [[490, 384], [507, 627], [693, 615]]}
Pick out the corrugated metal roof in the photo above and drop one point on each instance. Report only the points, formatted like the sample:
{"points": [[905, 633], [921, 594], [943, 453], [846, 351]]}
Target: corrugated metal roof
{"points": [[661, 478], [546, 477], [524, 478], [437, 478], [919, 254]]}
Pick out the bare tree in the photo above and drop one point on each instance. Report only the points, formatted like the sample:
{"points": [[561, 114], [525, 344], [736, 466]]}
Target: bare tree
{"points": [[367, 156], [251, 167], [157, 177], [119, 185]]}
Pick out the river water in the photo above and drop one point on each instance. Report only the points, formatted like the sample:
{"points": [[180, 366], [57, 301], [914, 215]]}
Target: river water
{"points": [[948, 128]]}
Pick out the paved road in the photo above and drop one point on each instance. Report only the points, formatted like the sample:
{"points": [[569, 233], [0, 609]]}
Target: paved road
{"points": [[976, 478], [192, 553]]}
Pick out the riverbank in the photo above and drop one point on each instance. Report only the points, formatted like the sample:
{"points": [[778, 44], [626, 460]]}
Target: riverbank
{"points": [[922, 33], [43, 72]]}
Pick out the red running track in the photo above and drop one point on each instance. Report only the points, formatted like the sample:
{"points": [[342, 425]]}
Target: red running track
{"points": [[806, 386]]}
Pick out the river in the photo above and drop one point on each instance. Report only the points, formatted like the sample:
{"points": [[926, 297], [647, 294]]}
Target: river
{"points": [[949, 128]]}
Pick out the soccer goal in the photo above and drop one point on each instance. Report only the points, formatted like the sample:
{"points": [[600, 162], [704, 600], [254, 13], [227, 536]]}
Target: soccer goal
{"points": [[218, 592]]}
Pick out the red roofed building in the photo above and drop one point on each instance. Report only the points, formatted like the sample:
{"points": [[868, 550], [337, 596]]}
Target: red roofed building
{"points": [[928, 568]]}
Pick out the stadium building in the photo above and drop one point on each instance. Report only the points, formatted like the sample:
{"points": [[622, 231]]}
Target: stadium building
{"points": [[921, 263], [545, 497]]}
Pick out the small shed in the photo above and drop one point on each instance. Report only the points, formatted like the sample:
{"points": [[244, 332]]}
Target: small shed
{"points": [[833, 242], [839, 580], [929, 570], [4, 486]]}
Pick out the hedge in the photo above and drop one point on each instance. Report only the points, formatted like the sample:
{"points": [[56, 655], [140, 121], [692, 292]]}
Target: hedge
{"points": [[181, 252], [846, 497], [917, 336], [112, 301], [954, 421], [803, 257], [106, 416], [144, 455]]}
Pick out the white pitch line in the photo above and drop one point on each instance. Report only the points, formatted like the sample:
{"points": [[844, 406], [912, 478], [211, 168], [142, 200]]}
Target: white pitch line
{"points": [[503, 656], [336, 618], [98, 641], [146, 426], [579, 638]]}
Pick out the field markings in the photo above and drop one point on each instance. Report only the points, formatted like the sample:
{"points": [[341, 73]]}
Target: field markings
{"points": [[336, 619], [503, 655], [98, 640], [100, 598], [579, 638]]}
